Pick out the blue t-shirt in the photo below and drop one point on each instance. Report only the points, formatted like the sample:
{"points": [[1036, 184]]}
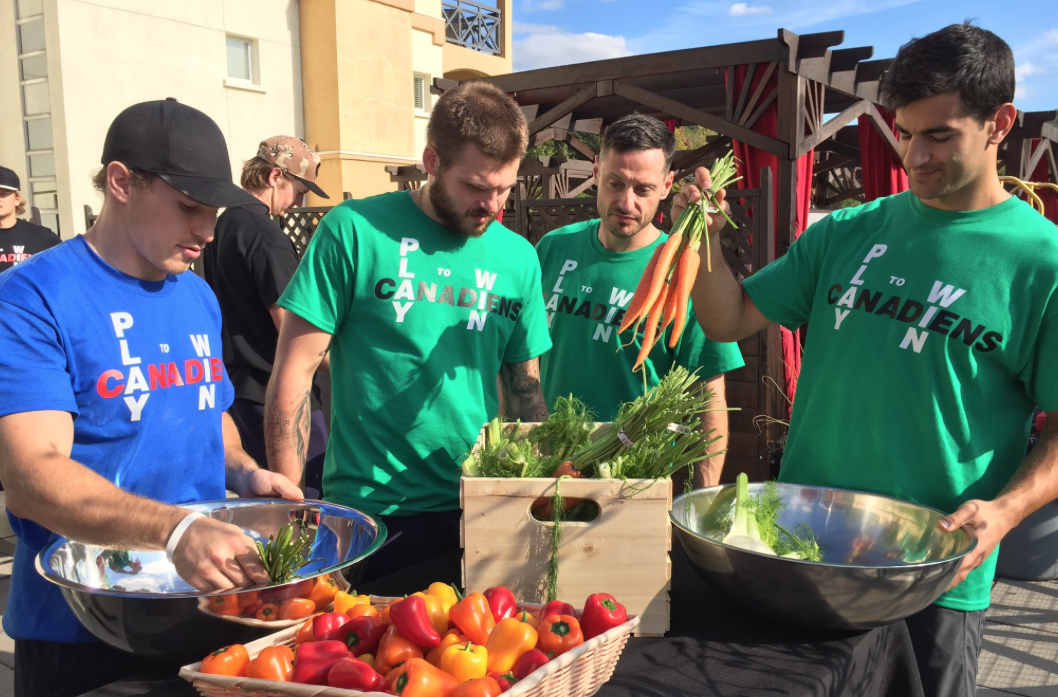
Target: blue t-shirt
{"points": [[138, 364]]}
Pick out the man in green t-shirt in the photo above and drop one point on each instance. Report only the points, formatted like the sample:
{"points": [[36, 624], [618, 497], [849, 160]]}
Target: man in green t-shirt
{"points": [[423, 298], [934, 318], [590, 271]]}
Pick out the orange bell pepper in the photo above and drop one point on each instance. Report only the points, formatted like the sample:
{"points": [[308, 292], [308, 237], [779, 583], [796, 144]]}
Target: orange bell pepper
{"points": [[465, 662], [509, 640], [435, 611], [247, 598], [444, 592], [225, 605], [474, 618], [384, 614], [231, 660], [480, 687], [273, 663], [323, 592], [269, 612], [296, 608], [559, 634], [305, 633], [361, 610], [417, 678], [452, 637], [394, 650], [526, 616], [343, 601]]}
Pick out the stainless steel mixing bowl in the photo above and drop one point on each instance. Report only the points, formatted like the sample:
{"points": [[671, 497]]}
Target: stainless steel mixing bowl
{"points": [[883, 559], [137, 602]]}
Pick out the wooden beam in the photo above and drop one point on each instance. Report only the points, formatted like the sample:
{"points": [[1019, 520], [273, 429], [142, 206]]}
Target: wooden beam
{"points": [[844, 59], [700, 118], [850, 193], [577, 144], [884, 131], [761, 86], [755, 116], [439, 86], [729, 103], [817, 45], [688, 158], [760, 51], [831, 127], [582, 96], [593, 126], [850, 151], [744, 89]]}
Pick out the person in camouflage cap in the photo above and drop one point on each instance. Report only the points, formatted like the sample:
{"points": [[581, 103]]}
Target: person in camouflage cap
{"points": [[293, 156], [248, 265]]}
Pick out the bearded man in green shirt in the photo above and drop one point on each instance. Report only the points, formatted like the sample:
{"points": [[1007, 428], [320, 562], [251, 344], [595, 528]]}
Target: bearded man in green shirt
{"points": [[423, 298], [590, 271], [934, 318]]}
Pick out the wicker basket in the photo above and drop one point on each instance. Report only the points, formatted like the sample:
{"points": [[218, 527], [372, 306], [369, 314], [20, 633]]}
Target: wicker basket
{"points": [[577, 673]]}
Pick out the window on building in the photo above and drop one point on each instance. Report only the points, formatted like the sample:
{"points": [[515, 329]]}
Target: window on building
{"points": [[38, 134], [31, 36], [422, 94], [28, 8], [240, 59], [35, 98], [44, 195], [34, 66], [42, 165]]}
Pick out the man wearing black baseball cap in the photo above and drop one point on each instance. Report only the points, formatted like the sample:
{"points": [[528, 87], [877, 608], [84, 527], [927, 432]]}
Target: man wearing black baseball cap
{"points": [[19, 239], [109, 329]]}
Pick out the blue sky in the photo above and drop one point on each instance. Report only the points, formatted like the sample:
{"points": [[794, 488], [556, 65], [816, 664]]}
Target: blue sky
{"points": [[558, 32]]}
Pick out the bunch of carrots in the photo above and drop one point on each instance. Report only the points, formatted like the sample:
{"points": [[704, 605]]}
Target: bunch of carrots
{"points": [[663, 294]]}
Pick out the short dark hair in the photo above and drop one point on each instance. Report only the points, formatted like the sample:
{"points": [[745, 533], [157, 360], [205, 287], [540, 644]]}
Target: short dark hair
{"points": [[478, 113], [141, 180], [639, 132], [961, 58]]}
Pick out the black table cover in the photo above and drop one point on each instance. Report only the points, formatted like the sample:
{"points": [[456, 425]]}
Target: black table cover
{"points": [[714, 648]]}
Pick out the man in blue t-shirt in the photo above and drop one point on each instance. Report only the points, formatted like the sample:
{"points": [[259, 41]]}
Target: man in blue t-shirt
{"points": [[114, 406]]}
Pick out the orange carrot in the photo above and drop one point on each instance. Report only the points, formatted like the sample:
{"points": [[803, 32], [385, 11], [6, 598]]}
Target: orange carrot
{"points": [[651, 332], [638, 306], [686, 271], [661, 271], [671, 300]]}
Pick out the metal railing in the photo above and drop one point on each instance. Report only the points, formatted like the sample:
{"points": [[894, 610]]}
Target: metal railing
{"points": [[474, 26]]}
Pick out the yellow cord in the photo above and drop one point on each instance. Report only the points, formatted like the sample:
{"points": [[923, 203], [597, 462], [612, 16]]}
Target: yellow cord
{"points": [[1030, 191]]}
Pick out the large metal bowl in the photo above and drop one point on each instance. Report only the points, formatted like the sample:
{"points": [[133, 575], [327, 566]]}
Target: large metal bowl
{"points": [[883, 559], [136, 602]]}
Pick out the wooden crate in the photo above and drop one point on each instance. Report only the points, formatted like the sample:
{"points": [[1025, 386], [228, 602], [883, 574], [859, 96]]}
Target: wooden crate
{"points": [[624, 552]]}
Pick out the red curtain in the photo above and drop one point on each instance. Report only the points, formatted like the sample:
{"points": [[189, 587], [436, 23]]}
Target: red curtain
{"points": [[1049, 196], [883, 173], [751, 160]]}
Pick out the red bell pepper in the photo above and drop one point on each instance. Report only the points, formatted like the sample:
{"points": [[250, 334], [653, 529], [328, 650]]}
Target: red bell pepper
{"points": [[501, 602], [601, 613], [413, 622], [506, 681], [362, 634], [314, 660], [353, 674], [530, 661], [556, 607], [325, 627]]}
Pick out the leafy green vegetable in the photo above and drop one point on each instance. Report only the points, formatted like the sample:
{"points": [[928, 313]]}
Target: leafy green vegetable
{"points": [[754, 525], [284, 554]]}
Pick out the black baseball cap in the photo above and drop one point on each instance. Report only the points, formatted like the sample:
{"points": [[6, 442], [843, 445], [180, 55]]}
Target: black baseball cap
{"points": [[181, 145], [9, 180]]}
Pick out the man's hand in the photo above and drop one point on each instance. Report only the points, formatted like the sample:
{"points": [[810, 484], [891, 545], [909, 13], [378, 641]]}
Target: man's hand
{"points": [[213, 555], [692, 193], [263, 483], [988, 521]]}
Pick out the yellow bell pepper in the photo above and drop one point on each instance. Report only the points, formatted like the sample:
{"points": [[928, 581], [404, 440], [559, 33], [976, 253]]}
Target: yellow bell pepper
{"points": [[343, 601], [445, 593], [452, 637], [509, 640], [435, 611], [368, 659], [465, 662]]}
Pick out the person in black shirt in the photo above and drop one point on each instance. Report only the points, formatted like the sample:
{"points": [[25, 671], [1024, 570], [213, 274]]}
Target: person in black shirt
{"points": [[248, 265], [19, 239]]}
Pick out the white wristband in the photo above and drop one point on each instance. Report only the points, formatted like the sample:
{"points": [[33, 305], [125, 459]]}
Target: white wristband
{"points": [[181, 528]]}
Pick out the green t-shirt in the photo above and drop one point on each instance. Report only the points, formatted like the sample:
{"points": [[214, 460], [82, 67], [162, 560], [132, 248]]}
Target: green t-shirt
{"points": [[422, 321], [931, 336], [587, 288]]}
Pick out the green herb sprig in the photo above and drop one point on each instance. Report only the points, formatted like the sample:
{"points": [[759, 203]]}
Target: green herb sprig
{"points": [[283, 555]]}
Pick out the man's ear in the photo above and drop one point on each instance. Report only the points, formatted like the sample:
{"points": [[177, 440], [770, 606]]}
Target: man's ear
{"points": [[119, 185]]}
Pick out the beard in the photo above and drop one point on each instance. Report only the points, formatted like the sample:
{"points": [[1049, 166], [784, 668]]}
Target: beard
{"points": [[625, 231], [451, 217]]}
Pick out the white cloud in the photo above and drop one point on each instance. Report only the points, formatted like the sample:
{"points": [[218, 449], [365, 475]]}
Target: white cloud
{"points": [[543, 46], [1027, 70], [540, 5], [1036, 59], [741, 9]]}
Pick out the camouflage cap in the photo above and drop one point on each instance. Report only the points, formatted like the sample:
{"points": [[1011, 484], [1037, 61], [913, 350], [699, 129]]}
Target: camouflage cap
{"points": [[293, 156]]}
